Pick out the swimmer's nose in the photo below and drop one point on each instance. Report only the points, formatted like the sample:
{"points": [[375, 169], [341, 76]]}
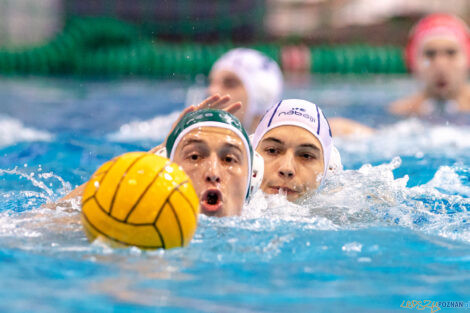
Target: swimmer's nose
{"points": [[212, 174], [287, 166], [286, 173], [212, 179], [213, 89]]}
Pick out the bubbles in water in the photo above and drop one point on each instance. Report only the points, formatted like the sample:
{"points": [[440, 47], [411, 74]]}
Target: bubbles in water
{"points": [[352, 247]]}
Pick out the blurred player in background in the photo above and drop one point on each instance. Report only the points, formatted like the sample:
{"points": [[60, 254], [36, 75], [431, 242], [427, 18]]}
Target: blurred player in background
{"points": [[438, 55]]}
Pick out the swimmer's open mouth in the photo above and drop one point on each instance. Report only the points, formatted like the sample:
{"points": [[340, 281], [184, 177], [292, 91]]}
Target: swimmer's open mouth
{"points": [[211, 201], [441, 84]]}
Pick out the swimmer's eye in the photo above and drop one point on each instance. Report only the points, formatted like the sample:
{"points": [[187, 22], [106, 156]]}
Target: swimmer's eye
{"points": [[308, 156], [451, 52], [194, 157], [430, 54], [231, 83], [271, 151], [230, 159]]}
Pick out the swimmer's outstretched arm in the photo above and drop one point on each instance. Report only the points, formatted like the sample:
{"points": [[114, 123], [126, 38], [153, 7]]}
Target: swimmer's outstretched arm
{"points": [[213, 102], [411, 106]]}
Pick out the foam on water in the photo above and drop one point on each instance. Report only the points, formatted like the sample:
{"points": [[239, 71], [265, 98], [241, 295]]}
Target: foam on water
{"points": [[153, 129], [411, 137], [13, 131]]}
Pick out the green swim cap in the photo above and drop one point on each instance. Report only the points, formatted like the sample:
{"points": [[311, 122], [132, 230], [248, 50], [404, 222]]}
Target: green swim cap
{"points": [[210, 118]]}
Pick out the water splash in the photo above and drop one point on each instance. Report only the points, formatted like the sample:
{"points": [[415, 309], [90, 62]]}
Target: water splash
{"points": [[369, 197], [36, 188]]}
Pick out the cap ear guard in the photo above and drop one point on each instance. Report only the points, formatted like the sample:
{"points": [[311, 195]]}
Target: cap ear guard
{"points": [[335, 165], [257, 173], [162, 152]]}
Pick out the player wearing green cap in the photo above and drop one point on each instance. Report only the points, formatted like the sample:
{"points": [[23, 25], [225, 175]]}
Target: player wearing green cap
{"points": [[214, 150]]}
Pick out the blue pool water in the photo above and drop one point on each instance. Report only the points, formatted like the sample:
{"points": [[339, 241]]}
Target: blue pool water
{"points": [[393, 227]]}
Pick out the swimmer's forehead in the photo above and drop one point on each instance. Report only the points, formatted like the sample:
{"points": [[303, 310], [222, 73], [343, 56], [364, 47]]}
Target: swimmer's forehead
{"points": [[210, 134], [290, 135], [440, 42], [223, 73]]}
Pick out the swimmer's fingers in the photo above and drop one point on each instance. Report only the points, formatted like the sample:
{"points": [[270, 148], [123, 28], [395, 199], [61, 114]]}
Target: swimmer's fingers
{"points": [[208, 102], [233, 107], [191, 108], [221, 103], [214, 102], [185, 111]]}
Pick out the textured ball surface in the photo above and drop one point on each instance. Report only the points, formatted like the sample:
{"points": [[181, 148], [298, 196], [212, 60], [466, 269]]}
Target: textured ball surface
{"points": [[140, 199]]}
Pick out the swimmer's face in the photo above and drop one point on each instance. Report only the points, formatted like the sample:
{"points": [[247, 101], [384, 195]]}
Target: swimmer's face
{"points": [[442, 66], [216, 161], [224, 82], [293, 164]]}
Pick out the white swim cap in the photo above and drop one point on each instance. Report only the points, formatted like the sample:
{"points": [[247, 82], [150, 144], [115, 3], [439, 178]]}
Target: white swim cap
{"points": [[301, 113], [260, 75]]}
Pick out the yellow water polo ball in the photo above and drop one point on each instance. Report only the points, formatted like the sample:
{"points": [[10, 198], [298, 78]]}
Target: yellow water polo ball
{"points": [[140, 199]]}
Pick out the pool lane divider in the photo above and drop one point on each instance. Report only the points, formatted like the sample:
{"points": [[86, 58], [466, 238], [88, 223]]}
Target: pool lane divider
{"points": [[105, 47]]}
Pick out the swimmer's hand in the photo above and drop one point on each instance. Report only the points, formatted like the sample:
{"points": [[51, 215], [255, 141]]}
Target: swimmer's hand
{"points": [[216, 102]]}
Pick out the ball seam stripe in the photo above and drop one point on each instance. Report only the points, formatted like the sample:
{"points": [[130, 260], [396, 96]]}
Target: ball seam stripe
{"points": [[117, 240], [85, 201], [118, 220], [122, 178], [101, 181], [166, 200], [189, 202], [102, 172], [178, 221], [145, 191], [109, 169], [160, 235]]}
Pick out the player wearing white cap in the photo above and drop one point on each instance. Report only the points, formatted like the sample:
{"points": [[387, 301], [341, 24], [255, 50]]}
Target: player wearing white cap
{"points": [[294, 138]]}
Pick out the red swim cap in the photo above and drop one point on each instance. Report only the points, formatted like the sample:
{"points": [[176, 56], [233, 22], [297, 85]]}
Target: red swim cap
{"points": [[438, 24]]}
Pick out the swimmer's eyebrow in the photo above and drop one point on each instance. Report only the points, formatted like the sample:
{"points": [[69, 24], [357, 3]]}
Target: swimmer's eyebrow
{"points": [[190, 141], [231, 145], [274, 139], [309, 145]]}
